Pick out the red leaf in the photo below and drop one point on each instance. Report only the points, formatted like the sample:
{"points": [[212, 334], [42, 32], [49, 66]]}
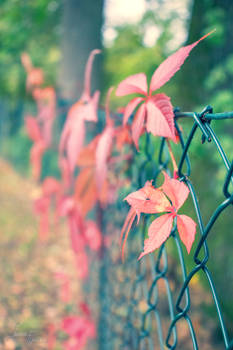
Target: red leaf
{"points": [[86, 157], [148, 200], [126, 228], [109, 121], [93, 235], [159, 231], [36, 153], [136, 83], [130, 108], [171, 65], [85, 190], [123, 137], [35, 78], [159, 121], [33, 128], [87, 80], [75, 142], [50, 186], [51, 336], [176, 191], [160, 117], [26, 61], [42, 209], [46, 104], [82, 264], [103, 151], [73, 134], [88, 110], [80, 329], [65, 172], [187, 230], [138, 122]]}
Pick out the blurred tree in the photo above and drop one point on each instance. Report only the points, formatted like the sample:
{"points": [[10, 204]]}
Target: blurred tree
{"points": [[211, 65], [81, 32], [37, 27], [24, 26], [206, 78]]}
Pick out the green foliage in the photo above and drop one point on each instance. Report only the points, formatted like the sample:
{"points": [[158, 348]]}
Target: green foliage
{"points": [[16, 149], [34, 26], [24, 26], [128, 56]]}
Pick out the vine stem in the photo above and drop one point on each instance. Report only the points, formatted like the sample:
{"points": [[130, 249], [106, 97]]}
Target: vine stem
{"points": [[175, 167]]}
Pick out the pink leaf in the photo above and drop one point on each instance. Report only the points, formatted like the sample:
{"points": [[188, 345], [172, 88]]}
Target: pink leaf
{"points": [[65, 172], [109, 121], [66, 206], [51, 336], [86, 109], [136, 83], [50, 186], [75, 142], [73, 134], [26, 62], [42, 209], [159, 231], [85, 309], [47, 131], [35, 78], [64, 135], [76, 239], [138, 123], [103, 151], [162, 102], [77, 230], [36, 153], [126, 228], [82, 265], [130, 108], [187, 230], [87, 79], [33, 128], [148, 200], [90, 108], [73, 325], [171, 65], [176, 191], [158, 122], [80, 329], [93, 235], [129, 216]]}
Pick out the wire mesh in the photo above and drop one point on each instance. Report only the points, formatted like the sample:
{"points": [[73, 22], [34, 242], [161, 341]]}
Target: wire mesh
{"points": [[143, 304]]}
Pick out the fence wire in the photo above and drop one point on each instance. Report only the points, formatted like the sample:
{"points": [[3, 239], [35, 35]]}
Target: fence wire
{"points": [[143, 304]]}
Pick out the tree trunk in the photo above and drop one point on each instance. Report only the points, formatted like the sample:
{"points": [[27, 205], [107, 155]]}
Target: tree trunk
{"points": [[81, 32], [206, 15]]}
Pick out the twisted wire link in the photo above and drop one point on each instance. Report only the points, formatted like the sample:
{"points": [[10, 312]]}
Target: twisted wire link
{"points": [[148, 301]]}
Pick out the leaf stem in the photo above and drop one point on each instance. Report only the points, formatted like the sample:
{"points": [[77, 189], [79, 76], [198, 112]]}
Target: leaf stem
{"points": [[175, 167]]}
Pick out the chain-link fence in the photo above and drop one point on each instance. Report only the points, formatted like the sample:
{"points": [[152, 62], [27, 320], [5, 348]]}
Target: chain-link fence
{"points": [[153, 303]]}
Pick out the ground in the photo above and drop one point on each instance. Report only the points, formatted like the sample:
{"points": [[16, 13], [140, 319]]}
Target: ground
{"points": [[29, 299]]}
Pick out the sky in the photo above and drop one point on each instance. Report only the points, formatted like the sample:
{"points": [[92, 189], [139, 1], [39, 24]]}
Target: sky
{"points": [[120, 12]]}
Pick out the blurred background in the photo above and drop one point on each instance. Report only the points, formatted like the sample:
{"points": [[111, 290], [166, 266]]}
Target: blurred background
{"points": [[134, 36]]}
